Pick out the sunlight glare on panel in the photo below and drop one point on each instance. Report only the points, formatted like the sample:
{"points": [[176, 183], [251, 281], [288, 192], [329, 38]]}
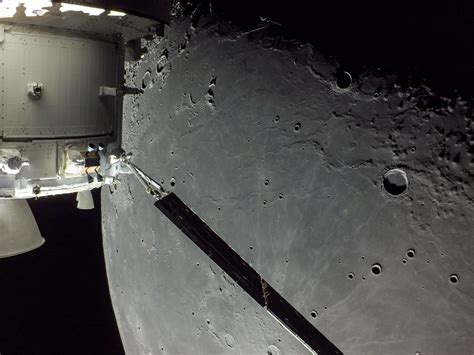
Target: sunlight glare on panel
{"points": [[33, 8]]}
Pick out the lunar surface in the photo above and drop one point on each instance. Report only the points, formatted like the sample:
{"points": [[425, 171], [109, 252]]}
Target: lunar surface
{"points": [[352, 196]]}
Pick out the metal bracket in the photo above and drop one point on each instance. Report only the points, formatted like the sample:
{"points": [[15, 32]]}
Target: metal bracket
{"points": [[35, 90], [151, 186], [107, 91]]}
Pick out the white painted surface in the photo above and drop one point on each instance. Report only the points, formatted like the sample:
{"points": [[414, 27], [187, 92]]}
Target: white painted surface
{"points": [[71, 70]]}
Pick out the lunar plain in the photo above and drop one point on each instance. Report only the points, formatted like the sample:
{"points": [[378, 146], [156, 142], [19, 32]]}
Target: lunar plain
{"points": [[351, 195]]}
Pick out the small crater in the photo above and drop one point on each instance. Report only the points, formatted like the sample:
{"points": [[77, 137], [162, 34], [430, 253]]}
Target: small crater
{"points": [[453, 278], [344, 80], [162, 62], [314, 314], [273, 350], [229, 340], [395, 182], [351, 276], [267, 182], [173, 182], [297, 127], [213, 81], [210, 95], [276, 119], [210, 98], [280, 196], [376, 269], [146, 81], [411, 253], [404, 261]]}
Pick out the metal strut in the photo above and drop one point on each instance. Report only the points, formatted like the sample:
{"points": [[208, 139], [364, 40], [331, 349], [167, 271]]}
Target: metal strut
{"points": [[151, 186], [236, 267]]}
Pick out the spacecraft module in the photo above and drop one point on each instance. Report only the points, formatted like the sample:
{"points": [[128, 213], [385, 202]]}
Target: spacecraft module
{"points": [[61, 101]]}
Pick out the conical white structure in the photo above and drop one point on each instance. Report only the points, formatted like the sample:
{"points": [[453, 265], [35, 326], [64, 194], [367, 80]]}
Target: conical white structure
{"points": [[19, 232], [84, 200]]}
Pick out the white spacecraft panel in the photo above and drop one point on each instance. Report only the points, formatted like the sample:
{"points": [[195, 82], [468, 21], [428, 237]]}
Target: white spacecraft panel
{"points": [[43, 161], [71, 70]]}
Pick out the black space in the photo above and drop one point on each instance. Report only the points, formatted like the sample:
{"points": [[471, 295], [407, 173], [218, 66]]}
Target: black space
{"points": [[420, 41], [55, 300]]}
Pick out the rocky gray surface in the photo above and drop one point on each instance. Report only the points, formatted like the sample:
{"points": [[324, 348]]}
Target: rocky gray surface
{"points": [[254, 134]]}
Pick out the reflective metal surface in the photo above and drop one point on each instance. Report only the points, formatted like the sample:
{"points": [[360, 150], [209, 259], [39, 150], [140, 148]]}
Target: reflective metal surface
{"points": [[19, 232]]}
